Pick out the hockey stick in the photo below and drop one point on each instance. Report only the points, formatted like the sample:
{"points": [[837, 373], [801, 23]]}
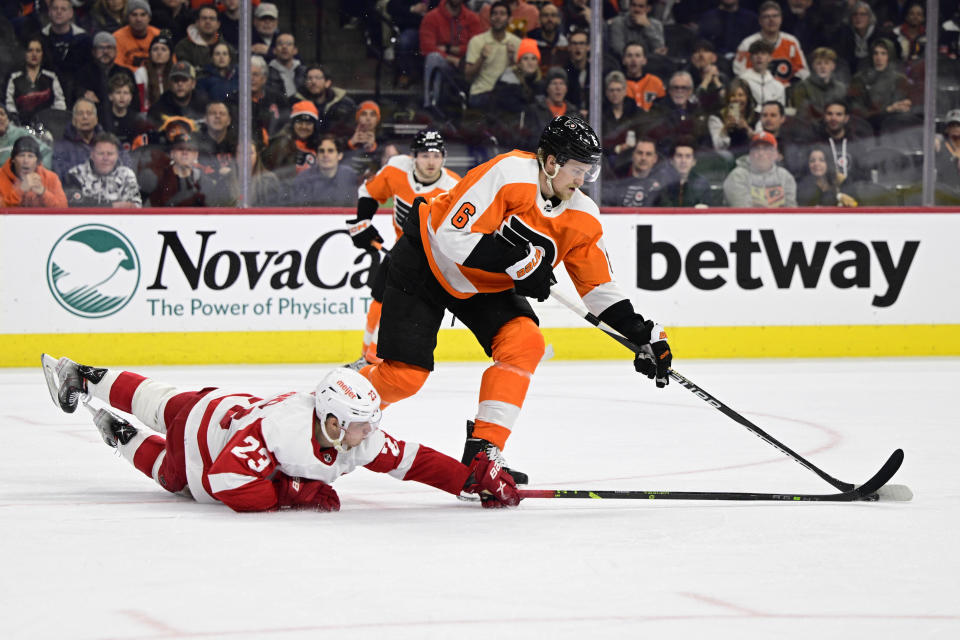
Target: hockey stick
{"points": [[895, 492], [867, 492]]}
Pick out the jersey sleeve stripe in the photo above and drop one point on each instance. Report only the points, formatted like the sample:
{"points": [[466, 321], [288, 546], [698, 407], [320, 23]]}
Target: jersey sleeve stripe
{"points": [[227, 481], [602, 297], [409, 455]]}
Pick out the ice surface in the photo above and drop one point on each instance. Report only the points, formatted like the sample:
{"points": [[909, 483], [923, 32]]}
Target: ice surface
{"points": [[92, 549]]}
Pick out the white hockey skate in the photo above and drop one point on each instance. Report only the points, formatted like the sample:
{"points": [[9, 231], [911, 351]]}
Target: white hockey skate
{"points": [[67, 381], [113, 429]]}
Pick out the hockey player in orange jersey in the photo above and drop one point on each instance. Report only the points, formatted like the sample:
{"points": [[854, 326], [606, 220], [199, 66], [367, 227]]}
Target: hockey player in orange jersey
{"points": [[480, 250], [421, 174]]}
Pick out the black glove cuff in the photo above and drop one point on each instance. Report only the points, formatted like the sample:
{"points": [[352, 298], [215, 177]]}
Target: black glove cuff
{"points": [[366, 208], [627, 322], [494, 253]]}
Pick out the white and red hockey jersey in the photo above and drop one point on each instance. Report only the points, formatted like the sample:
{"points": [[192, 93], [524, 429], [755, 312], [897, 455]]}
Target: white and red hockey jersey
{"points": [[396, 179], [504, 194], [236, 445]]}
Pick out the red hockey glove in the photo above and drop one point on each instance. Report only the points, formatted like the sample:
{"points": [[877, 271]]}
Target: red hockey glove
{"points": [[296, 493], [654, 358], [492, 483]]}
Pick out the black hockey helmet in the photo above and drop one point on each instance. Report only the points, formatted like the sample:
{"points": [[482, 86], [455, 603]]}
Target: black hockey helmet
{"points": [[428, 140], [570, 137]]}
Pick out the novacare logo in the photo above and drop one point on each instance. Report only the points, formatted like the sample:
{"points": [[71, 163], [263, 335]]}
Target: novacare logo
{"points": [[93, 271]]}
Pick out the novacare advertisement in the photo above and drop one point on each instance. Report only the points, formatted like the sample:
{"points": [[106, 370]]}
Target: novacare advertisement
{"points": [[183, 273], [245, 275]]}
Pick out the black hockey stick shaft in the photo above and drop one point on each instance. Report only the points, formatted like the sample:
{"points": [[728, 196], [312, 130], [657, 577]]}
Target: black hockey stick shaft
{"points": [[704, 395], [865, 492]]}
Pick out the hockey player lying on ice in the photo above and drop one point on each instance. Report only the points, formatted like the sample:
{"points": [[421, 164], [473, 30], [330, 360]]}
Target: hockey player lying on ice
{"points": [[256, 454]]}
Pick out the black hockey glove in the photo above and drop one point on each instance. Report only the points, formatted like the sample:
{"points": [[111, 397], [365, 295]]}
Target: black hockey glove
{"points": [[533, 274], [361, 228], [654, 358]]}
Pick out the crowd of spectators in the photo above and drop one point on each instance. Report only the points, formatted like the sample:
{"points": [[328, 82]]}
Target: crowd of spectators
{"points": [[744, 103]]}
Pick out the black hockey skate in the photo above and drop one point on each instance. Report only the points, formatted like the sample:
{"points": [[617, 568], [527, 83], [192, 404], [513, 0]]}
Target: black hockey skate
{"points": [[473, 446], [357, 364], [113, 429], [67, 380]]}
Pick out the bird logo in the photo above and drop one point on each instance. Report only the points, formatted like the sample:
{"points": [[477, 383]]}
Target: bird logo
{"points": [[93, 271]]}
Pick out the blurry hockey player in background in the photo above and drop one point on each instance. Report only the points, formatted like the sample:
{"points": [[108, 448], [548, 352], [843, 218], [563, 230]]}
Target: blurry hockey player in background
{"points": [[256, 454], [405, 178], [479, 250]]}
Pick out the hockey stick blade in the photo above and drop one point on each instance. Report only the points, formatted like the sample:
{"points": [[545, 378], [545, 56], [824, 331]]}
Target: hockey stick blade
{"points": [[867, 492]]}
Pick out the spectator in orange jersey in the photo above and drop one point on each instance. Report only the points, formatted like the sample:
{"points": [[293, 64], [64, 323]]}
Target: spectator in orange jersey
{"points": [[644, 88], [24, 182], [133, 40]]}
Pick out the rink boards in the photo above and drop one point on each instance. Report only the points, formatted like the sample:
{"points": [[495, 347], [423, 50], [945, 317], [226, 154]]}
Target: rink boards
{"points": [[214, 286]]}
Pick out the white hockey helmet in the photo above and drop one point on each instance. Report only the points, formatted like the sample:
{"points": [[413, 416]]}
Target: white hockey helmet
{"points": [[349, 397]]}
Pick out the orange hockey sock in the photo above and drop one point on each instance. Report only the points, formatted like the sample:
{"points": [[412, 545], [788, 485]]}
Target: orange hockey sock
{"points": [[394, 380]]}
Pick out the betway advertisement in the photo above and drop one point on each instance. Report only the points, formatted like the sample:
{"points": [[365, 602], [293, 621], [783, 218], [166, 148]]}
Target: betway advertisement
{"points": [[157, 273]]}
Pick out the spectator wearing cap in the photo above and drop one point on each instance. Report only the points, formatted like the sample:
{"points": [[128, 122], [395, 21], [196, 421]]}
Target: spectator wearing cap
{"points": [[517, 88], [25, 182], [182, 98], [708, 77], [812, 94], [757, 181], [76, 143], [202, 36], [68, 45], [330, 182], [265, 20], [550, 37], [335, 108], [794, 136], [488, 55], [133, 40], [185, 183], [524, 17], [93, 78], [152, 77], [286, 73], [173, 16], [948, 160], [646, 178], [763, 85], [102, 181], [363, 147], [10, 133], [33, 88], [635, 25], [727, 25], [548, 105], [642, 87], [294, 149]]}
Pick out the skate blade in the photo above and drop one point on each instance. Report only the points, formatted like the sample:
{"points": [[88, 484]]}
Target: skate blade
{"points": [[49, 365]]}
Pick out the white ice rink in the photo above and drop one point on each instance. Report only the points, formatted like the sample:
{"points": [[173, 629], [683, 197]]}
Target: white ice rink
{"points": [[90, 548]]}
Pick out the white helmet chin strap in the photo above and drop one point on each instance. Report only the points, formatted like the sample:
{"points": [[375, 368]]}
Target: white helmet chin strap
{"points": [[548, 176], [336, 443]]}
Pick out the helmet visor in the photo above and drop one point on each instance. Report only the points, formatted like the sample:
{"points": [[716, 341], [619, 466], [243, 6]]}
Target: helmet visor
{"points": [[589, 171]]}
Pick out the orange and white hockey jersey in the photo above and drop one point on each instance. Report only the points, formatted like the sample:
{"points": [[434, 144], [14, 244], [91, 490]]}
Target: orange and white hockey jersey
{"points": [[786, 62], [645, 90], [503, 194], [396, 179]]}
